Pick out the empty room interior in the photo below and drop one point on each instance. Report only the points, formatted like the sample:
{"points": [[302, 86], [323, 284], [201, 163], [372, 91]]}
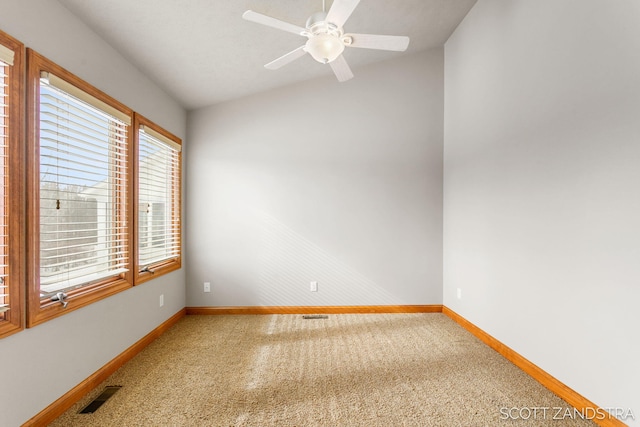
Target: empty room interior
{"points": [[477, 190]]}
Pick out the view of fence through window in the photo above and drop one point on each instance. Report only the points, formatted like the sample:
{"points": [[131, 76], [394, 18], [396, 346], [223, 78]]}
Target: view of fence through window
{"points": [[82, 183]]}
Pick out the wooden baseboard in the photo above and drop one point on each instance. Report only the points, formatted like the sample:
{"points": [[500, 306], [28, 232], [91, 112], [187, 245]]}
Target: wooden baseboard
{"points": [[332, 309], [58, 407], [571, 396]]}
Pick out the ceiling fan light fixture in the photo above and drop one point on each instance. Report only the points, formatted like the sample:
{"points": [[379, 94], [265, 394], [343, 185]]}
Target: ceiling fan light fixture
{"points": [[324, 48], [326, 37]]}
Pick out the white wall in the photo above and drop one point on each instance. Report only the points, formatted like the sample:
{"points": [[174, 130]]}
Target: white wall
{"points": [[542, 186], [48, 360], [321, 181]]}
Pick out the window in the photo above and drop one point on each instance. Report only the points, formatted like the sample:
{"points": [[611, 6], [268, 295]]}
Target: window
{"points": [[11, 185], [158, 194], [79, 152], [94, 206]]}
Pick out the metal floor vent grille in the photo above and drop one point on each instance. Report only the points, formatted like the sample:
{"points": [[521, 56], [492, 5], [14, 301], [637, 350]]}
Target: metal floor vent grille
{"points": [[315, 316], [99, 401]]}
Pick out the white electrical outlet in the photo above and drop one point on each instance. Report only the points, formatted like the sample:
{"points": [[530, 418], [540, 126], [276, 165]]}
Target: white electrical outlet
{"points": [[207, 286], [161, 300], [459, 293], [314, 286]]}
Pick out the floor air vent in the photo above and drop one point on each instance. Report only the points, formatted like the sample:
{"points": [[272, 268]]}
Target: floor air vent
{"points": [[315, 316], [99, 401]]}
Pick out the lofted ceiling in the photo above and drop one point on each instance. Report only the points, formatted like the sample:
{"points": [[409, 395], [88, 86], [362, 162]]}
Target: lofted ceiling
{"points": [[202, 52]]}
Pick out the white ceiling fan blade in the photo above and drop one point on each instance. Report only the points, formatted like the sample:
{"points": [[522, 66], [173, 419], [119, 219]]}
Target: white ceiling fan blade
{"points": [[372, 41], [285, 59], [259, 18], [340, 11], [341, 69]]}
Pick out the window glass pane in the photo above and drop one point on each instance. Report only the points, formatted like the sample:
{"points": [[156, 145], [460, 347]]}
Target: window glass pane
{"points": [[158, 197], [83, 158]]}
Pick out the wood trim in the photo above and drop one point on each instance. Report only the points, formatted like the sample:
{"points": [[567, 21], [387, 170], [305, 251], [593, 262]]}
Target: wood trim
{"points": [[44, 64], [333, 309], [13, 320], [32, 183], [66, 401], [571, 396]]}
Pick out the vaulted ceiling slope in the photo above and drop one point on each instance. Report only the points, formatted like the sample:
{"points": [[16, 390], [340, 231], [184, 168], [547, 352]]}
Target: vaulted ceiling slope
{"points": [[202, 52]]}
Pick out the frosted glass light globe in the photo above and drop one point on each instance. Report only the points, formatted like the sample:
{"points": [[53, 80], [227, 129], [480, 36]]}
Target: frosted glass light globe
{"points": [[324, 47]]}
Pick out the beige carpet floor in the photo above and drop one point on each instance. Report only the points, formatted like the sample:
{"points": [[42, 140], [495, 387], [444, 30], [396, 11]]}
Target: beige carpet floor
{"points": [[347, 370]]}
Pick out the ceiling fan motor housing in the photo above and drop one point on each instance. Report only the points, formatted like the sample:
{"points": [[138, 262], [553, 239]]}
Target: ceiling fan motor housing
{"points": [[325, 42]]}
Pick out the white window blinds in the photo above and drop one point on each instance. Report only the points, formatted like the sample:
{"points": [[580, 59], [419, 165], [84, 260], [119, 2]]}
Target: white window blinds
{"points": [[4, 181], [83, 188], [6, 55], [158, 198]]}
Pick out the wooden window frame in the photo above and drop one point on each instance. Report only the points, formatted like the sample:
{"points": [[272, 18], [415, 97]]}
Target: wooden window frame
{"points": [[14, 320], [166, 266], [40, 310]]}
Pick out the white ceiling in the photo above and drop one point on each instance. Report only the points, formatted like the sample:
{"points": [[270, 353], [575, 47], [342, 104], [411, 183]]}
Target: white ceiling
{"points": [[202, 52]]}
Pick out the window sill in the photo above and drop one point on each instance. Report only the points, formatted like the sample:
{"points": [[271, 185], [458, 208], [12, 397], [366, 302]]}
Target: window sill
{"points": [[40, 311], [158, 270]]}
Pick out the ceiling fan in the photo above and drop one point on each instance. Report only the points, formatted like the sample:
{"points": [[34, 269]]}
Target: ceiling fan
{"points": [[326, 38]]}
